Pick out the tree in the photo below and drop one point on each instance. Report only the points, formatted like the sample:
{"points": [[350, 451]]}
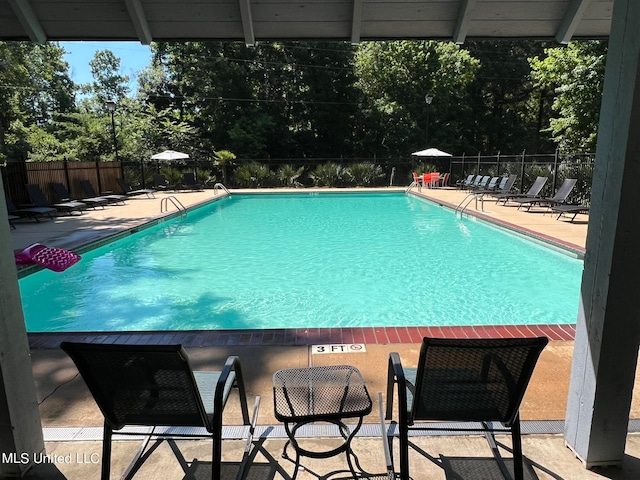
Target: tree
{"points": [[508, 108], [34, 88], [574, 76], [107, 83], [394, 78]]}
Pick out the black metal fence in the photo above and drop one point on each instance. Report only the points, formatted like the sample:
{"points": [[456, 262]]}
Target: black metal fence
{"points": [[392, 172]]}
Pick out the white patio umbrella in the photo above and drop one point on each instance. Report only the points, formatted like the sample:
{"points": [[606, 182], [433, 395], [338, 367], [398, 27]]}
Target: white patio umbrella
{"points": [[169, 155], [431, 152]]}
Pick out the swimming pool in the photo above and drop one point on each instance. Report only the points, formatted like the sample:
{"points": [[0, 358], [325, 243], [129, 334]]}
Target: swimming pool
{"points": [[308, 260]]}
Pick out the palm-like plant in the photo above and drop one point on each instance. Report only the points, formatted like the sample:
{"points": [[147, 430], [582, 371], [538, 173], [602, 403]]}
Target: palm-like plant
{"points": [[365, 174], [288, 175], [328, 174], [252, 174]]}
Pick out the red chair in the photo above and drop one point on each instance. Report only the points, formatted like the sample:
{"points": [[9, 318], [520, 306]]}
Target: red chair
{"points": [[435, 179], [417, 180], [426, 180]]}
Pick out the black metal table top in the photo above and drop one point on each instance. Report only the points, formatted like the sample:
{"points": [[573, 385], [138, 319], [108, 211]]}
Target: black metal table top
{"points": [[320, 393]]}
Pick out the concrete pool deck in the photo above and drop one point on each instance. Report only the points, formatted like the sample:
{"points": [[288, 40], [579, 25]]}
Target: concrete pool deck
{"points": [[65, 402]]}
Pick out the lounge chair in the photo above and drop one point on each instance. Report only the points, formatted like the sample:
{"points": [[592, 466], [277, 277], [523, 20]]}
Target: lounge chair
{"points": [[480, 179], [462, 184], [189, 181], [505, 185], [489, 186], [90, 192], [39, 199], [560, 197], [11, 218], [30, 212], [533, 192], [64, 196], [129, 191], [160, 182], [481, 381], [568, 210], [154, 386]]}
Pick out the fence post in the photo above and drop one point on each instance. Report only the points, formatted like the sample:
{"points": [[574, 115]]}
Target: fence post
{"points": [[65, 168], [555, 171], [522, 173], [498, 164], [478, 171], [98, 174]]}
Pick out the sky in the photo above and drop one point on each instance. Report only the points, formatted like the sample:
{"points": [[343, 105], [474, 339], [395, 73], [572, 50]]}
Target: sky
{"points": [[133, 57]]}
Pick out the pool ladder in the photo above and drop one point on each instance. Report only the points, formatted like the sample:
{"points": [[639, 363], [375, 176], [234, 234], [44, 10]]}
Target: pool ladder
{"points": [[164, 205], [467, 200], [219, 186]]}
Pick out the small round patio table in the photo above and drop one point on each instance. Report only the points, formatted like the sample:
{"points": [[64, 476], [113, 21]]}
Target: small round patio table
{"points": [[328, 394]]}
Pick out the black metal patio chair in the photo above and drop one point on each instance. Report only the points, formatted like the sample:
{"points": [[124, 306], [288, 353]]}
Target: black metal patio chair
{"points": [[470, 385], [154, 386]]}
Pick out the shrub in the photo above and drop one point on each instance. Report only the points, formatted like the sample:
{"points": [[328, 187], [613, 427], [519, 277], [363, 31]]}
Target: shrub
{"points": [[328, 174], [288, 175], [252, 175], [364, 174]]}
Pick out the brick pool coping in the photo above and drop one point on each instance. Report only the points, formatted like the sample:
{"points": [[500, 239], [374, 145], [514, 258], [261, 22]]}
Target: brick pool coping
{"points": [[303, 336]]}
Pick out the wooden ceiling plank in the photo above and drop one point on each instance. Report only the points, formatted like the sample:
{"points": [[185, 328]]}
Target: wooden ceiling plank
{"points": [[571, 20], [247, 23], [356, 24], [28, 20], [139, 19], [462, 23]]}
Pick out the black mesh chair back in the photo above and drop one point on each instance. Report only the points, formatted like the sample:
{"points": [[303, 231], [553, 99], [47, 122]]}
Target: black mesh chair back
{"points": [[140, 384], [473, 379], [469, 383], [154, 385]]}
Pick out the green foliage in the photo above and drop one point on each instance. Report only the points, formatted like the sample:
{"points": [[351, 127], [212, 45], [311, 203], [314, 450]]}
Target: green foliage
{"points": [[574, 76], [425, 168], [303, 100], [394, 78], [364, 174], [224, 156], [507, 107], [205, 177], [328, 174], [288, 175], [172, 175], [34, 87], [252, 175], [108, 84]]}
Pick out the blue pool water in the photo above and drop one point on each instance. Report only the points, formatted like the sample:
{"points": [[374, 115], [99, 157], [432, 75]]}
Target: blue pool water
{"points": [[309, 260]]}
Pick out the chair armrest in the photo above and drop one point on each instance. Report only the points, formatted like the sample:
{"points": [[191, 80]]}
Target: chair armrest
{"points": [[395, 375], [232, 364]]}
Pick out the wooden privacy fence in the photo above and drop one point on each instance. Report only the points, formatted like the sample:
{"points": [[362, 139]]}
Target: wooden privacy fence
{"points": [[102, 176]]}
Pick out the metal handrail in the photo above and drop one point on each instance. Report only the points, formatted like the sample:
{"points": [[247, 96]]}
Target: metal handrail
{"points": [[218, 186], [164, 205]]}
